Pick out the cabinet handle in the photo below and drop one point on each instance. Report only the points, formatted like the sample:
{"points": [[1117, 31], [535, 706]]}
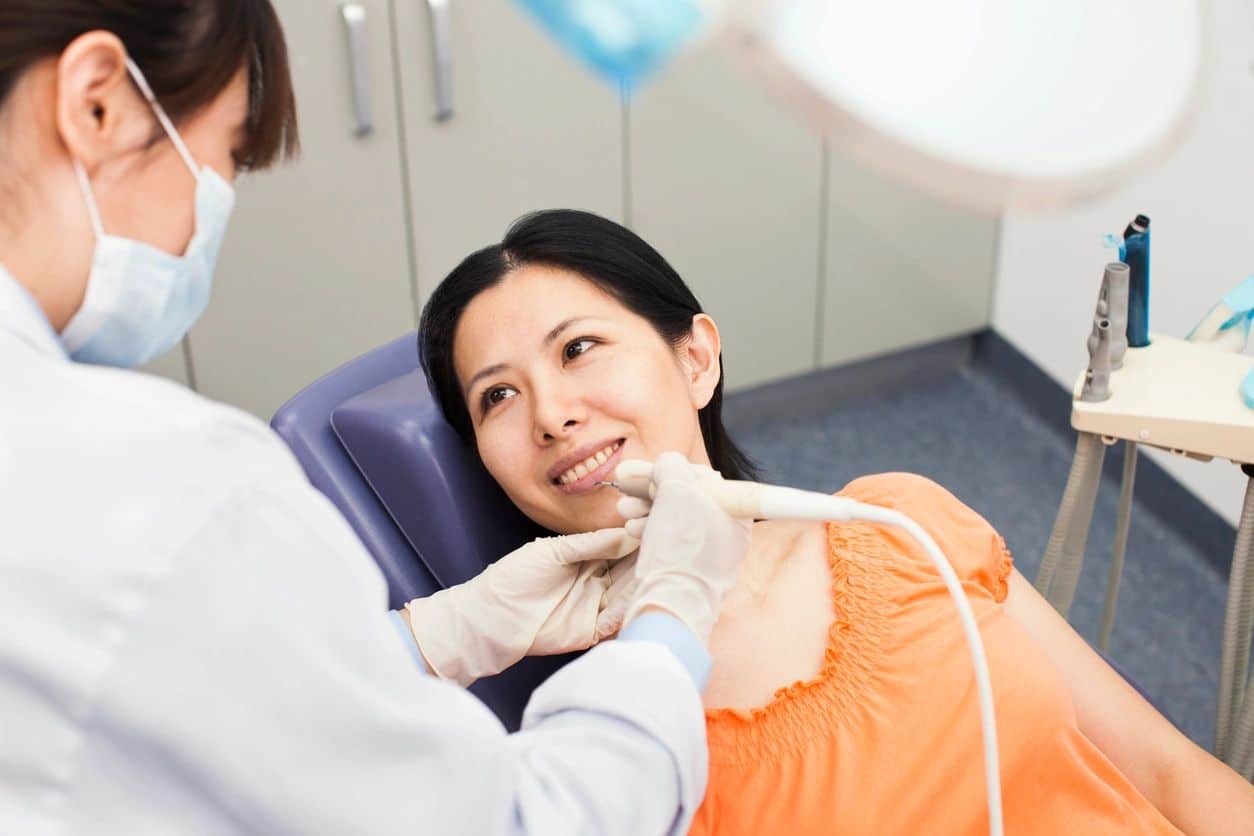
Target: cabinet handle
{"points": [[442, 45], [354, 15]]}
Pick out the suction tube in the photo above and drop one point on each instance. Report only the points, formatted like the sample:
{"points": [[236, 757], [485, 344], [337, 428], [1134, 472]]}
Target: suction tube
{"points": [[1237, 625], [1060, 567], [750, 500]]}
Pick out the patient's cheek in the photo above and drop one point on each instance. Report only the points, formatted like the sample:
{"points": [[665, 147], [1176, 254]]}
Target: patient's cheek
{"points": [[555, 511]]}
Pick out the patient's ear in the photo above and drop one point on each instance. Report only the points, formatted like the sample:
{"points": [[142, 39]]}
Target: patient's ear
{"points": [[699, 356]]}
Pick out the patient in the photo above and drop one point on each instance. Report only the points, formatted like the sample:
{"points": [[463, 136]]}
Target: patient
{"points": [[842, 698]]}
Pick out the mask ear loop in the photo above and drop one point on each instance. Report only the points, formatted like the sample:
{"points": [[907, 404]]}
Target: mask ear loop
{"points": [[146, 91], [94, 212]]}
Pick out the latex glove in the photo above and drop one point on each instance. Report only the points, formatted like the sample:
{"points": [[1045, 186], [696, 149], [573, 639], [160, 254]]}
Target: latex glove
{"points": [[621, 591], [690, 550], [543, 598]]}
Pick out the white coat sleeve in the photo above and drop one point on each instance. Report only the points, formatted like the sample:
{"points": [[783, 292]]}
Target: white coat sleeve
{"points": [[258, 686]]}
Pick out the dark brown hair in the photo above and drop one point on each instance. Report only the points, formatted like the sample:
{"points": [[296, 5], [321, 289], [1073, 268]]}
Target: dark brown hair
{"points": [[610, 256], [189, 50]]}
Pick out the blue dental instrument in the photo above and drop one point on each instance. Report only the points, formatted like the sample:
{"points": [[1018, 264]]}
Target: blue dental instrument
{"points": [[1136, 254]]}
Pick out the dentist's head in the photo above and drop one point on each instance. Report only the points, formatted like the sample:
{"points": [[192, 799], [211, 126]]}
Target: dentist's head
{"points": [[566, 348], [122, 125]]}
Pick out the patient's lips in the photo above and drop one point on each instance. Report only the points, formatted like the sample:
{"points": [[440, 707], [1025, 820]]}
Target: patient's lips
{"points": [[587, 467]]}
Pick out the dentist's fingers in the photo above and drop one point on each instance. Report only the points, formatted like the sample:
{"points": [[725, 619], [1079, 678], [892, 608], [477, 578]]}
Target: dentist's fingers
{"points": [[629, 507], [620, 572], [618, 597], [635, 528], [605, 544]]}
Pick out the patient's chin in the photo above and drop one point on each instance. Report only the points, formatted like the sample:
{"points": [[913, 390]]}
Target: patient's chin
{"points": [[592, 516], [584, 522]]}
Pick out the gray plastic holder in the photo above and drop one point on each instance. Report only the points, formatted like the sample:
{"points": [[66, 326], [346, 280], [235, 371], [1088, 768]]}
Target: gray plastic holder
{"points": [[1115, 285], [1097, 377]]}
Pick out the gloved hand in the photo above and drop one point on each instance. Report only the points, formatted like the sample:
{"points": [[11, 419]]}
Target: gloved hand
{"points": [[622, 588], [546, 597], [690, 549]]}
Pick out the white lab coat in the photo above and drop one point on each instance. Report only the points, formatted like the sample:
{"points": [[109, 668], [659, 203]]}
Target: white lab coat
{"points": [[192, 640]]}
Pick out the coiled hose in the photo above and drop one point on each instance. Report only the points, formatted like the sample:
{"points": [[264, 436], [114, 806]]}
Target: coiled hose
{"points": [[1121, 544], [1238, 621], [1064, 554]]}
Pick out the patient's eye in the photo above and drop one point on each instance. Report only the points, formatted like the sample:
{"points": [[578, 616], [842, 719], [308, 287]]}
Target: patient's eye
{"points": [[577, 347], [495, 395]]}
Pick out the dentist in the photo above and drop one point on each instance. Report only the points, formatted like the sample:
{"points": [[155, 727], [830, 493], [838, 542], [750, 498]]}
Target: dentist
{"points": [[191, 638]]}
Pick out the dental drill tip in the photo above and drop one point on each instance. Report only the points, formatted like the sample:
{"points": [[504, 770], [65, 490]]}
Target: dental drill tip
{"points": [[607, 484]]}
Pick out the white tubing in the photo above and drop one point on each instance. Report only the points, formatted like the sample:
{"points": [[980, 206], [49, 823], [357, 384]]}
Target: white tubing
{"points": [[789, 503], [750, 500]]}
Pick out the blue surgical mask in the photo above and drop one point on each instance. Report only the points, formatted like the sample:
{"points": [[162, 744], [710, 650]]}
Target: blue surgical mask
{"points": [[141, 301]]}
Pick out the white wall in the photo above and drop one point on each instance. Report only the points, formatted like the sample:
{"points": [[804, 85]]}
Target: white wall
{"points": [[1201, 201]]}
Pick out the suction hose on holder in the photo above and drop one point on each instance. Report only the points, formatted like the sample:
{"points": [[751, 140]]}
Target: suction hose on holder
{"points": [[1121, 545], [1064, 554], [750, 500], [1238, 623]]}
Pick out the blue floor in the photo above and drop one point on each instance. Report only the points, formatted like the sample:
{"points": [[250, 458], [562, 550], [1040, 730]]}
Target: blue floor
{"points": [[967, 433]]}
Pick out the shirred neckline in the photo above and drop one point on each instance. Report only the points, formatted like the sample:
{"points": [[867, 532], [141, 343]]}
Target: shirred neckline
{"points": [[799, 712]]}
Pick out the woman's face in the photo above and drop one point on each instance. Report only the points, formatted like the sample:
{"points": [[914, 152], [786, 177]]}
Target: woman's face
{"points": [[84, 106], [562, 382], [150, 195]]}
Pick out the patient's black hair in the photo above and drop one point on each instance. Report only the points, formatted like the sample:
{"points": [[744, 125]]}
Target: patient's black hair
{"points": [[610, 256]]}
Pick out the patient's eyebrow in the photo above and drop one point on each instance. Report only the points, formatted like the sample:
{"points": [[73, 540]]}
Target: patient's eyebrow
{"points": [[480, 374], [497, 368]]}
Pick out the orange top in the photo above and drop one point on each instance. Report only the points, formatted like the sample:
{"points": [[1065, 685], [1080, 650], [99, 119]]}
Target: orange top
{"points": [[886, 739]]}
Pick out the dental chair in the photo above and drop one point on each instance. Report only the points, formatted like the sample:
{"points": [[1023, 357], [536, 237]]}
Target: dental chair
{"points": [[371, 437]]}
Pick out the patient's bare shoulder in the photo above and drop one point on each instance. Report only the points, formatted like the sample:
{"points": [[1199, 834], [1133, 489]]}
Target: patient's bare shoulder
{"points": [[773, 628]]}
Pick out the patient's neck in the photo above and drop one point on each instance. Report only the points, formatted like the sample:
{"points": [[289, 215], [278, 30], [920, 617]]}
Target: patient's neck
{"points": [[772, 630]]}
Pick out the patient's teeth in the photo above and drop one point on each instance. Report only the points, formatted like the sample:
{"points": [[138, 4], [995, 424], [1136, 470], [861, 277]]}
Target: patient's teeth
{"points": [[589, 464]]}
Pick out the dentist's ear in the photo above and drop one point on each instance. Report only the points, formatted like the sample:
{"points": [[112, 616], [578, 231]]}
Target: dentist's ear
{"points": [[699, 355], [99, 113]]}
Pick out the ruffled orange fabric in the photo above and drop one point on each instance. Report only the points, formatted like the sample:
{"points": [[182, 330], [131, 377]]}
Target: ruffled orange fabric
{"points": [[885, 738], [798, 711], [1005, 562]]}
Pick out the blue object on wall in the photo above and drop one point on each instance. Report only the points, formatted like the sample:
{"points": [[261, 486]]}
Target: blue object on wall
{"points": [[625, 41]]}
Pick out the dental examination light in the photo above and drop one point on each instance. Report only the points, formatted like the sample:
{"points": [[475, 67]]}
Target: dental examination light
{"points": [[753, 501], [992, 104]]}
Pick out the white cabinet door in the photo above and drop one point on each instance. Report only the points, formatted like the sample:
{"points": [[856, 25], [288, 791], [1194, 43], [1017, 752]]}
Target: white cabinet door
{"points": [[725, 183], [903, 268], [315, 270], [530, 130]]}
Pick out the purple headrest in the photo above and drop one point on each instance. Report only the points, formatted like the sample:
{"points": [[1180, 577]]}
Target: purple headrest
{"points": [[431, 482]]}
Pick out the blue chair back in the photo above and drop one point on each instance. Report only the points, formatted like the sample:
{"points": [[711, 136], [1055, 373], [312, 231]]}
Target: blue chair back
{"points": [[371, 437]]}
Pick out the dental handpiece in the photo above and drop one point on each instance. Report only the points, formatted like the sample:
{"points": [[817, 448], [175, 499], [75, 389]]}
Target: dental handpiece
{"points": [[754, 501]]}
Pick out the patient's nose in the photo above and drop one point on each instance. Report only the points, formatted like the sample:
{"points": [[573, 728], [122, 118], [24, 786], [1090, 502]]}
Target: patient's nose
{"points": [[556, 415], [566, 428]]}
